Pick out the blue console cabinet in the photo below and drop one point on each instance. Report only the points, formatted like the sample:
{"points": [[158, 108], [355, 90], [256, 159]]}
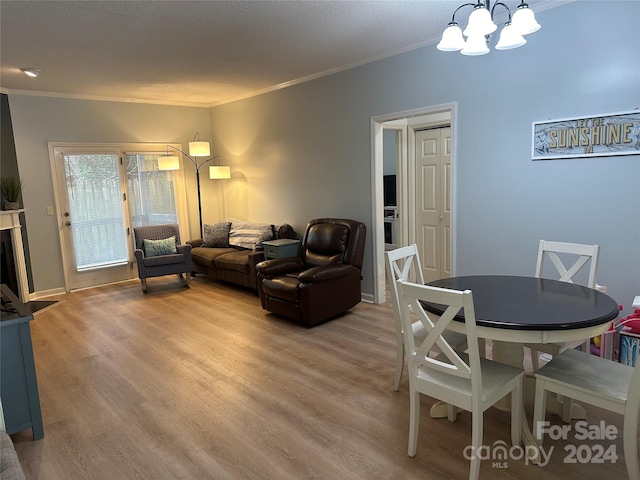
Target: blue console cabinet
{"points": [[18, 384]]}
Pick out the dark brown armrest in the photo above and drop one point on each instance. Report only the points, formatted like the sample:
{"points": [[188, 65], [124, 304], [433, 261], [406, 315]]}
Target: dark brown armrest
{"points": [[325, 273], [195, 243], [280, 266]]}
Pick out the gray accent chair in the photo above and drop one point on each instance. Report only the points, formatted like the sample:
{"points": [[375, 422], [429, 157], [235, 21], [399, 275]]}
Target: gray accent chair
{"points": [[178, 263]]}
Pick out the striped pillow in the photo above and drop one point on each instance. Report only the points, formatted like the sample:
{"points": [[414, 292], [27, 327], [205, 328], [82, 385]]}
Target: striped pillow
{"points": [[248, 235]]}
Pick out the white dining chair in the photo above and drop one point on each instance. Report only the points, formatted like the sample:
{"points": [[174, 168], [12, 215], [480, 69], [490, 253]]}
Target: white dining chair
{"points": [[597, 381], [576, 255], [404, 264], [464, 380], [580, 255]]}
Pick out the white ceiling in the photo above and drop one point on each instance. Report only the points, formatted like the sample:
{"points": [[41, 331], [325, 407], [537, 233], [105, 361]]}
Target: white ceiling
{"points": [[205, 53]]}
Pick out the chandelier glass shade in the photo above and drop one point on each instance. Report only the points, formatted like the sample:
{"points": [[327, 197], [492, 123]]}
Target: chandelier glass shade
{"points": [[481, 25]]}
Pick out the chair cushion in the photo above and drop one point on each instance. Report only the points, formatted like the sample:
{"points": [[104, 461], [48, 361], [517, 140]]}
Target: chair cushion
{"points": [[207, 256], [164, 260], [216, 235], [284, 288], [154, 248], [235, 260]]}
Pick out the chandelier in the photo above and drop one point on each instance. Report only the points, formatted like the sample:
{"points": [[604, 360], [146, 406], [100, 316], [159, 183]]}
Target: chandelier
{"points": [[481, 25]]}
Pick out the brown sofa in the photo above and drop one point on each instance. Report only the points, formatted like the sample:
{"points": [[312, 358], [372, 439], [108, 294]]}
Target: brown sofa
{"points": [[231, 249]]}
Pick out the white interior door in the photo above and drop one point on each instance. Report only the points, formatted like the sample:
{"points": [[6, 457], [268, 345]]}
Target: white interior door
{"points": [[92, 202], [433, 201]]}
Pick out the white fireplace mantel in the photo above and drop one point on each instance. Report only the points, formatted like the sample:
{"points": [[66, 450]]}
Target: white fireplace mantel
{"points": [[10, 220]]}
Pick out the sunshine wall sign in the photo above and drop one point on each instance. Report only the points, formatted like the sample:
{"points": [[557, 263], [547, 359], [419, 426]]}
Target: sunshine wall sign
{"points": [[595, 136]]}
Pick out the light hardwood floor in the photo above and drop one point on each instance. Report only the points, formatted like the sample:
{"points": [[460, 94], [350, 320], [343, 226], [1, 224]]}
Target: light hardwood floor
{"points": [[201, 383]]}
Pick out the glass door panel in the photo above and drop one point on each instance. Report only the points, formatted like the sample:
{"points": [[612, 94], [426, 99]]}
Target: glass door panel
{"points": [[152, 192], [95, 207], [94, 225]]}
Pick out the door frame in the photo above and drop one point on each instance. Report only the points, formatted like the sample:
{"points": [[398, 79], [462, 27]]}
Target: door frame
{"points": [[415, 119], [123, 149]]}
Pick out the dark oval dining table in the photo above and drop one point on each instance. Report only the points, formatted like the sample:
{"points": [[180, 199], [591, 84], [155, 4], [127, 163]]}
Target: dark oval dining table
{"points": [[530, 309]]}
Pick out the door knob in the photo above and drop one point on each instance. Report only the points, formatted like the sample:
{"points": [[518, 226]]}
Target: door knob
{"points": [[67, 223]]}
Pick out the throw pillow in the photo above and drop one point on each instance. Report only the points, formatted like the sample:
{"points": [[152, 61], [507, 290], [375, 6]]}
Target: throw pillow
{"points": [[286, 231], [154, 248], [216, 235], [248, 235]]}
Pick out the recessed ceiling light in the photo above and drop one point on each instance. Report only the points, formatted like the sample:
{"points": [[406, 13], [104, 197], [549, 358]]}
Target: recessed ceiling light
{"points": [[31, 72]]}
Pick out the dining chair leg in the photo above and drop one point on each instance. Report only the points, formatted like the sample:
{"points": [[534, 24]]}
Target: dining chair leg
{"points": [[452, 412], [399, 362], [539, 410], [517, 407], [567, 407], [476, 443], [535, 360], [414, 421], [630, 442]]}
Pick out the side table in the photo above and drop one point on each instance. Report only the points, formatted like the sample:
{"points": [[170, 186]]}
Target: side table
{"points": [[281, 248]]}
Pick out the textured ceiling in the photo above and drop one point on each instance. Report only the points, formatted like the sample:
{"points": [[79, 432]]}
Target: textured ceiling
{"points": [[204, 52]]}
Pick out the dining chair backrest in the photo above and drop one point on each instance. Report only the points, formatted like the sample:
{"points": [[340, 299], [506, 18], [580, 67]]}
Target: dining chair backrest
{"points": [[450, 361], [569, 251], [402, 264]]}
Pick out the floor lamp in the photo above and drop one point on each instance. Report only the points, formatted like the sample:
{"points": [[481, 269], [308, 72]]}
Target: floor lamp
{"points": [[196, 149]]}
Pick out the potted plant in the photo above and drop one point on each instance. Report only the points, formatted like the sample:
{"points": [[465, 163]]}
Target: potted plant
{"points": [[11, 189]]}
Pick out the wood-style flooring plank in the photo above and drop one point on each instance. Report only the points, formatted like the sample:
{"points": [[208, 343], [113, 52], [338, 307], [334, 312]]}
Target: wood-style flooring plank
{"points": [[201, 383]]}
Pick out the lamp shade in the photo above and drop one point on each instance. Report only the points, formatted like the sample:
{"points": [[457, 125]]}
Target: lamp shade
{"points": [[452, 39], [480, 22], [199, 149], [219, 172], [510, 38], [168, 162], [476, 45], [524, 20]]}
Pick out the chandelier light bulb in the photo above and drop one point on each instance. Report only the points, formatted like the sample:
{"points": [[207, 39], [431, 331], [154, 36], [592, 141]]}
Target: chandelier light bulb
{"points": [[510, 38], [452, 39], [480, 22], [476, 45], [524, 20]]}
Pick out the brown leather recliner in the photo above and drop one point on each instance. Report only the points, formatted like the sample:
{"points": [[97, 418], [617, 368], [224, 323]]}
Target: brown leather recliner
{"points": [[324, 282]]}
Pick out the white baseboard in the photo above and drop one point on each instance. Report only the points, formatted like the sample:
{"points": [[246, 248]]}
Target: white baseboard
{"points": [[46, 293]]}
